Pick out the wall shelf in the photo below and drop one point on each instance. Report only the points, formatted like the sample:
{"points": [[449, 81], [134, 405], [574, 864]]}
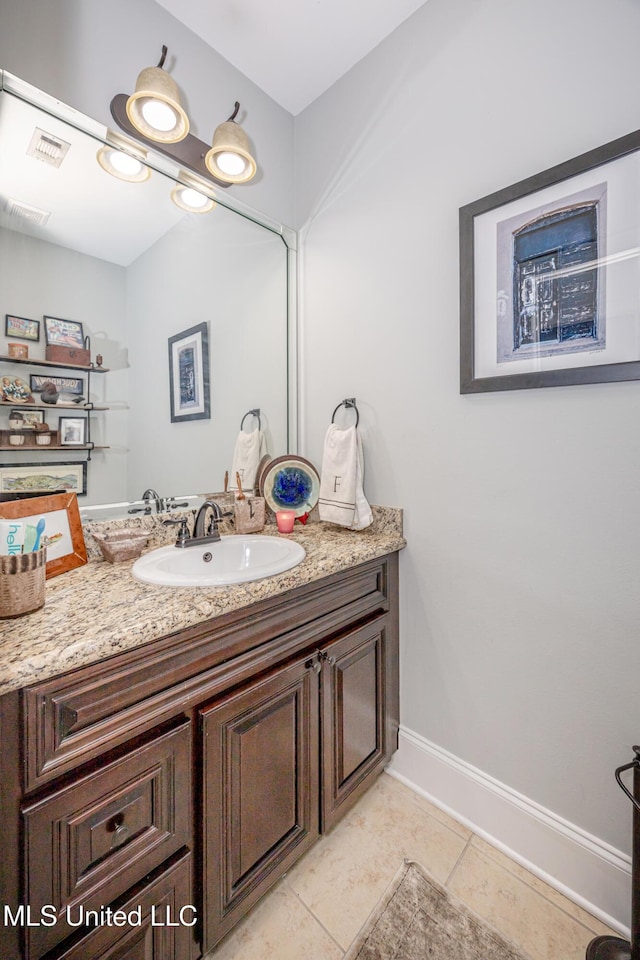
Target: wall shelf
{"points": [[86, 407], [52, 363], [29, 445]]}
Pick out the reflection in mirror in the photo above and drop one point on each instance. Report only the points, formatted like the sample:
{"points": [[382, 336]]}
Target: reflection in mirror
{"points": [[135, 270]]}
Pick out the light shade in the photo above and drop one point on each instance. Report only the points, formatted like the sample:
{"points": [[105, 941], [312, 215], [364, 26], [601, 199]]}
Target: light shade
{"points": [[155, 109], [122, 165], [229, 158]]}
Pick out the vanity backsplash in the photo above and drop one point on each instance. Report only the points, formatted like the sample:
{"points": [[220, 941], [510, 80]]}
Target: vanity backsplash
{"points": [[385, 520]]}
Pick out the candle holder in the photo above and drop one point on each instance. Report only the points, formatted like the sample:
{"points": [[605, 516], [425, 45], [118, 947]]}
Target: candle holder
{"points": [[285, 520]]}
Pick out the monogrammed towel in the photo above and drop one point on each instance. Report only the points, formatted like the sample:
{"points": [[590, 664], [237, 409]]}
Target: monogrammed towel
{"points": [[342, 498]]}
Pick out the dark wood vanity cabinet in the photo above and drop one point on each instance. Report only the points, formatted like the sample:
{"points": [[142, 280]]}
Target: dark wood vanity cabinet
{"points": [[181, 779]]}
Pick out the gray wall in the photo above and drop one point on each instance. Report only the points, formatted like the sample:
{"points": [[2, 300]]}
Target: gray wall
{"points": [[230, 273], [86, 51], [520, 598]]}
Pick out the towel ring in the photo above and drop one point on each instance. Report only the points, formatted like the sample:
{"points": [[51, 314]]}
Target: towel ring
{"points": [[251, 413], [349, 402]]}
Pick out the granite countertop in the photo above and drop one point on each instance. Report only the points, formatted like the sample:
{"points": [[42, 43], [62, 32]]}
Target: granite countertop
{"points": [[99, 609]]}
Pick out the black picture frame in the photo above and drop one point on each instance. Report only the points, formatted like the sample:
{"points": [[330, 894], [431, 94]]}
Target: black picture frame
{"points": [[54, 478], [30, 417], [73, 431], [189, 387], [73, 385], [509, 235], [21, 328], [63, 333]]}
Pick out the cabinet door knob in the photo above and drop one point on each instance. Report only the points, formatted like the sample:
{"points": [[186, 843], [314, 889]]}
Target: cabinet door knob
{"points": [[120, 830], [327, 658], [313, 664]]}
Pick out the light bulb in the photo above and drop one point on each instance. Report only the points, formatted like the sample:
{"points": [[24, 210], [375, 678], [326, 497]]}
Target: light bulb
{"points": [[122, 165], [125, 164], [194, 199], [231, 163], [159, 115], [191, 200]]}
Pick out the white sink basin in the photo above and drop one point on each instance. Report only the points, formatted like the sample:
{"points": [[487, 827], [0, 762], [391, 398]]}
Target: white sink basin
{"points": [[234, 559]]}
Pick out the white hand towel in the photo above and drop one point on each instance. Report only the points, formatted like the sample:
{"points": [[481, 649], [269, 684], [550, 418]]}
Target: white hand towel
{"points": [[249, 450], [342, 498]]}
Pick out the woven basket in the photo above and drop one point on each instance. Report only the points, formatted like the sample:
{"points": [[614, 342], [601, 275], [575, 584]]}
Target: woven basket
{"points": [[22, 582]]}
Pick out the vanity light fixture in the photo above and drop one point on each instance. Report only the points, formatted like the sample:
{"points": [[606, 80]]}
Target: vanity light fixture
{"points": [[154, 114], [154, 108], [230, 158], [122, 165]]}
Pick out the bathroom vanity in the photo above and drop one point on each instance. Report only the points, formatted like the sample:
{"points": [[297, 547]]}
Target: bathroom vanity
{"points": [[174, 779]]}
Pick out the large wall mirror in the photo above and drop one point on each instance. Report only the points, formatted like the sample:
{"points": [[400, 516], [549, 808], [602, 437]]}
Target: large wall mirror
{"points": [[122, 259]]}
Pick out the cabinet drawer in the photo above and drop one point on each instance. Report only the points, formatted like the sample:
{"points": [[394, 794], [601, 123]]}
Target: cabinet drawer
{"points": [[88, 842], [159, 916]]}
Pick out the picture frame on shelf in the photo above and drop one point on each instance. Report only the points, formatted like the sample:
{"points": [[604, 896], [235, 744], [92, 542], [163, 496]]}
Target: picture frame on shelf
{"points": [[29, 417], [21, 328], [71, 385], [63, 534], [73, 431], [63, 333], [189, 374], [17, 351], [549, 273], [44, 478]]}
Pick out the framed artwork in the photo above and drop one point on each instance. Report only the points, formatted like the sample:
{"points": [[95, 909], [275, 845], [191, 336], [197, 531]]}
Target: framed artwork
{"points": [[73, 385], [63, 333], [28, 478], [73, 431], [549, 276], [21, 328], [62, 535], [29, 417], [189, 374]]}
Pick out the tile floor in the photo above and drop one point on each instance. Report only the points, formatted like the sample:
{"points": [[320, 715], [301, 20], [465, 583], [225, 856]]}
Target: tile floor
{"points": [[316, 910]]}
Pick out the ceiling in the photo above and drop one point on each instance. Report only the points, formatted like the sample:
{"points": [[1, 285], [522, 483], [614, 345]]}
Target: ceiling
{"points": [[294, 50]]}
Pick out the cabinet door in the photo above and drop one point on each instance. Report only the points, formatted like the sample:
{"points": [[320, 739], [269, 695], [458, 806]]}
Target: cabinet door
{"points": [[260, 790], [357, 698]]}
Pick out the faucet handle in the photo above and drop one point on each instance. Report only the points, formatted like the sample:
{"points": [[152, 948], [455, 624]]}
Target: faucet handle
{"points": [[183, 533], [215, 520]]}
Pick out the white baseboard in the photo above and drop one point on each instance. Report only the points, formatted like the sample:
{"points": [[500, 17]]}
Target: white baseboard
{"points": [[584, 868]]}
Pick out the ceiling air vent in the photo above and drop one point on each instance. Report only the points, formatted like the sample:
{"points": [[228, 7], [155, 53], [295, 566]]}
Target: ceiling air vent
{"points": [[47, 147], [16, 208]]}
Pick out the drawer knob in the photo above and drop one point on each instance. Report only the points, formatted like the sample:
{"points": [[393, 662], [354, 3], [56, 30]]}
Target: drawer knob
{"points": [[119, 829]]}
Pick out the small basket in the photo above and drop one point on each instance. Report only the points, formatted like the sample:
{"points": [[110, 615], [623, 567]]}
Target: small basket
{"points": [[22, 582], [249, 514], [119, 545]]}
